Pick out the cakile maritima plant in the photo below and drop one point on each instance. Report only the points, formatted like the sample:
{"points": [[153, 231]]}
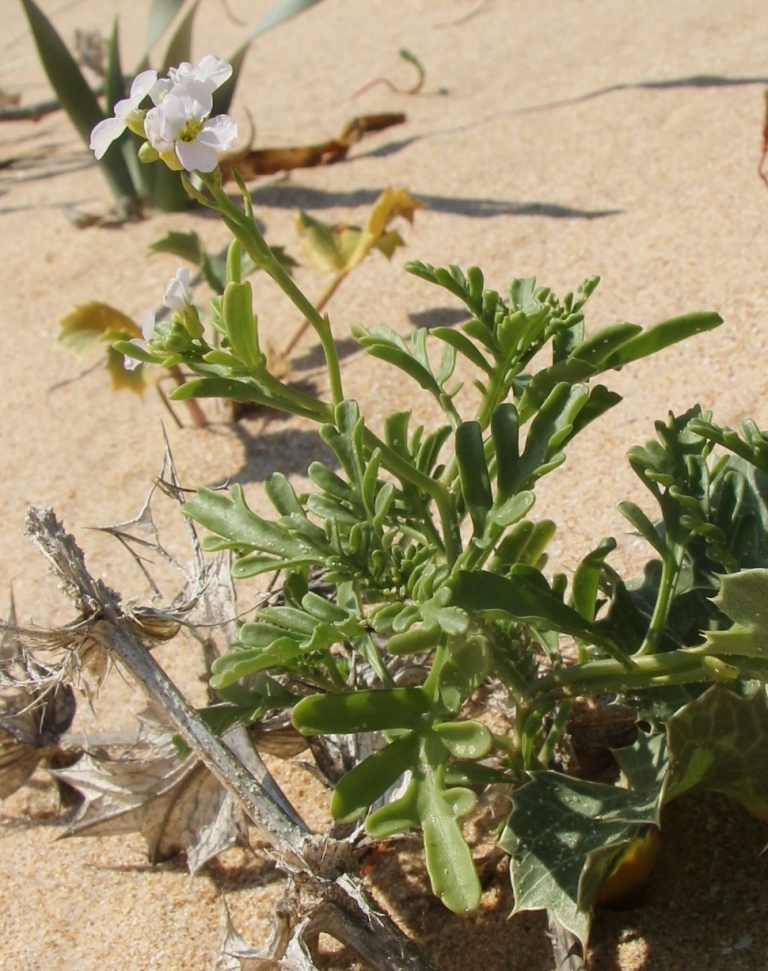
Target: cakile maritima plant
{"points": [[413, 569]]}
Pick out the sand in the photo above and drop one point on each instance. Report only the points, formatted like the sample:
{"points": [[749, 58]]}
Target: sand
{"points": [[552, 138]]}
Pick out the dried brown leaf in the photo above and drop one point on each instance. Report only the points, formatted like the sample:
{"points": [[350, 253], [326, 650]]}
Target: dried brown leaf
{"points": [[251, 163], [176, 804], [33, 712]]}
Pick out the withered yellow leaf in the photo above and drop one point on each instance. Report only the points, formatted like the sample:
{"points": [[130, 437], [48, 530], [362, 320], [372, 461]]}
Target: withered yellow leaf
{"points": [[92, 322], [122, 377]]}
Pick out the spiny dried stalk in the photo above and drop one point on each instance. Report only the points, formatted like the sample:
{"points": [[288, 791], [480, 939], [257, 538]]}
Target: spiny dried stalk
{"points": [[340, 905], [565, 946]]}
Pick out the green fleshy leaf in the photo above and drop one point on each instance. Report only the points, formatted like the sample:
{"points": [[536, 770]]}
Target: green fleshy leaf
{"points": [[465, 739], [241, 324], [180, 45], [396, 817], [186, 245], [114, 84], [376, 710], [278, 13], [231, 668], [571, 371], [586, 579], [449, 860], [517, 598], [549, 431], [596, 349], [662, 335], [371, 778], [240, 527]]}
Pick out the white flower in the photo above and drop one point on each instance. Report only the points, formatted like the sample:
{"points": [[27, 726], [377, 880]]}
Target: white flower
{"points": [[178, 296], [127, 114], [147, 329], [180, 128], [212, 71]]}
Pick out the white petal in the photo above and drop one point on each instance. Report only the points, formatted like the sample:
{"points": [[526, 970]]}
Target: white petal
{"points": [[219, 132], [142, 85], [178, 295], [105, 133], [124, 108], [196, 156], [148, 325], [131, 363], [164, 123], [213, 72], [197, 99], [184, 70], [160, 89]]}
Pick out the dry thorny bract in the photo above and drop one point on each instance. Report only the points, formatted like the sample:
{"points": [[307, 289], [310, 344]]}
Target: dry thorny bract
{"points": [[142, 785]]}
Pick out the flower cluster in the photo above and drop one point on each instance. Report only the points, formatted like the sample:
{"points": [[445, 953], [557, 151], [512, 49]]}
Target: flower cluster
{"points": [[168, 336], [178, 129]]}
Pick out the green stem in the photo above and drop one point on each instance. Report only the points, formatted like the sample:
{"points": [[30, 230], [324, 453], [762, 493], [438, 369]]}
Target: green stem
{"points": [[243, 227], [321, 411], [325, 296], [333, 669], [548, 748], [523, 710], [671, 667], [404, 470], [670, 571]]}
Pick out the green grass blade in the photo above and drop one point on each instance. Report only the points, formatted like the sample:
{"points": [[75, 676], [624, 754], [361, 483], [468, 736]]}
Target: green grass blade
{"points": [[114, 91], [180, 46], [75, 95], [161, 13], [170, 194], [277, 14], [114, 86]]}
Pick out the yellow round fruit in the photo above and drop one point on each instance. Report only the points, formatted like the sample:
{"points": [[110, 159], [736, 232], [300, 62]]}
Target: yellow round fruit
{"points": [[624, 885]]}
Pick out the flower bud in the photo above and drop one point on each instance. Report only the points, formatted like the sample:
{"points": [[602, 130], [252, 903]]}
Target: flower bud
{"points": [[191, 320], [148, 154], [177, 340]]}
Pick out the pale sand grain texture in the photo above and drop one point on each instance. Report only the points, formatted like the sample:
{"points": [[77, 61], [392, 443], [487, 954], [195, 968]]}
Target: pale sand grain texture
{"points": [[556, 138]]}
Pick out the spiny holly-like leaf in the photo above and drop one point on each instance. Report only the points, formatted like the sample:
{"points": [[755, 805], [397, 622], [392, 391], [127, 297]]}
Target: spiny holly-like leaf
{"points": [[561, 829], [743, 597], [719, 742], [645, 763], [176, 804]]}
